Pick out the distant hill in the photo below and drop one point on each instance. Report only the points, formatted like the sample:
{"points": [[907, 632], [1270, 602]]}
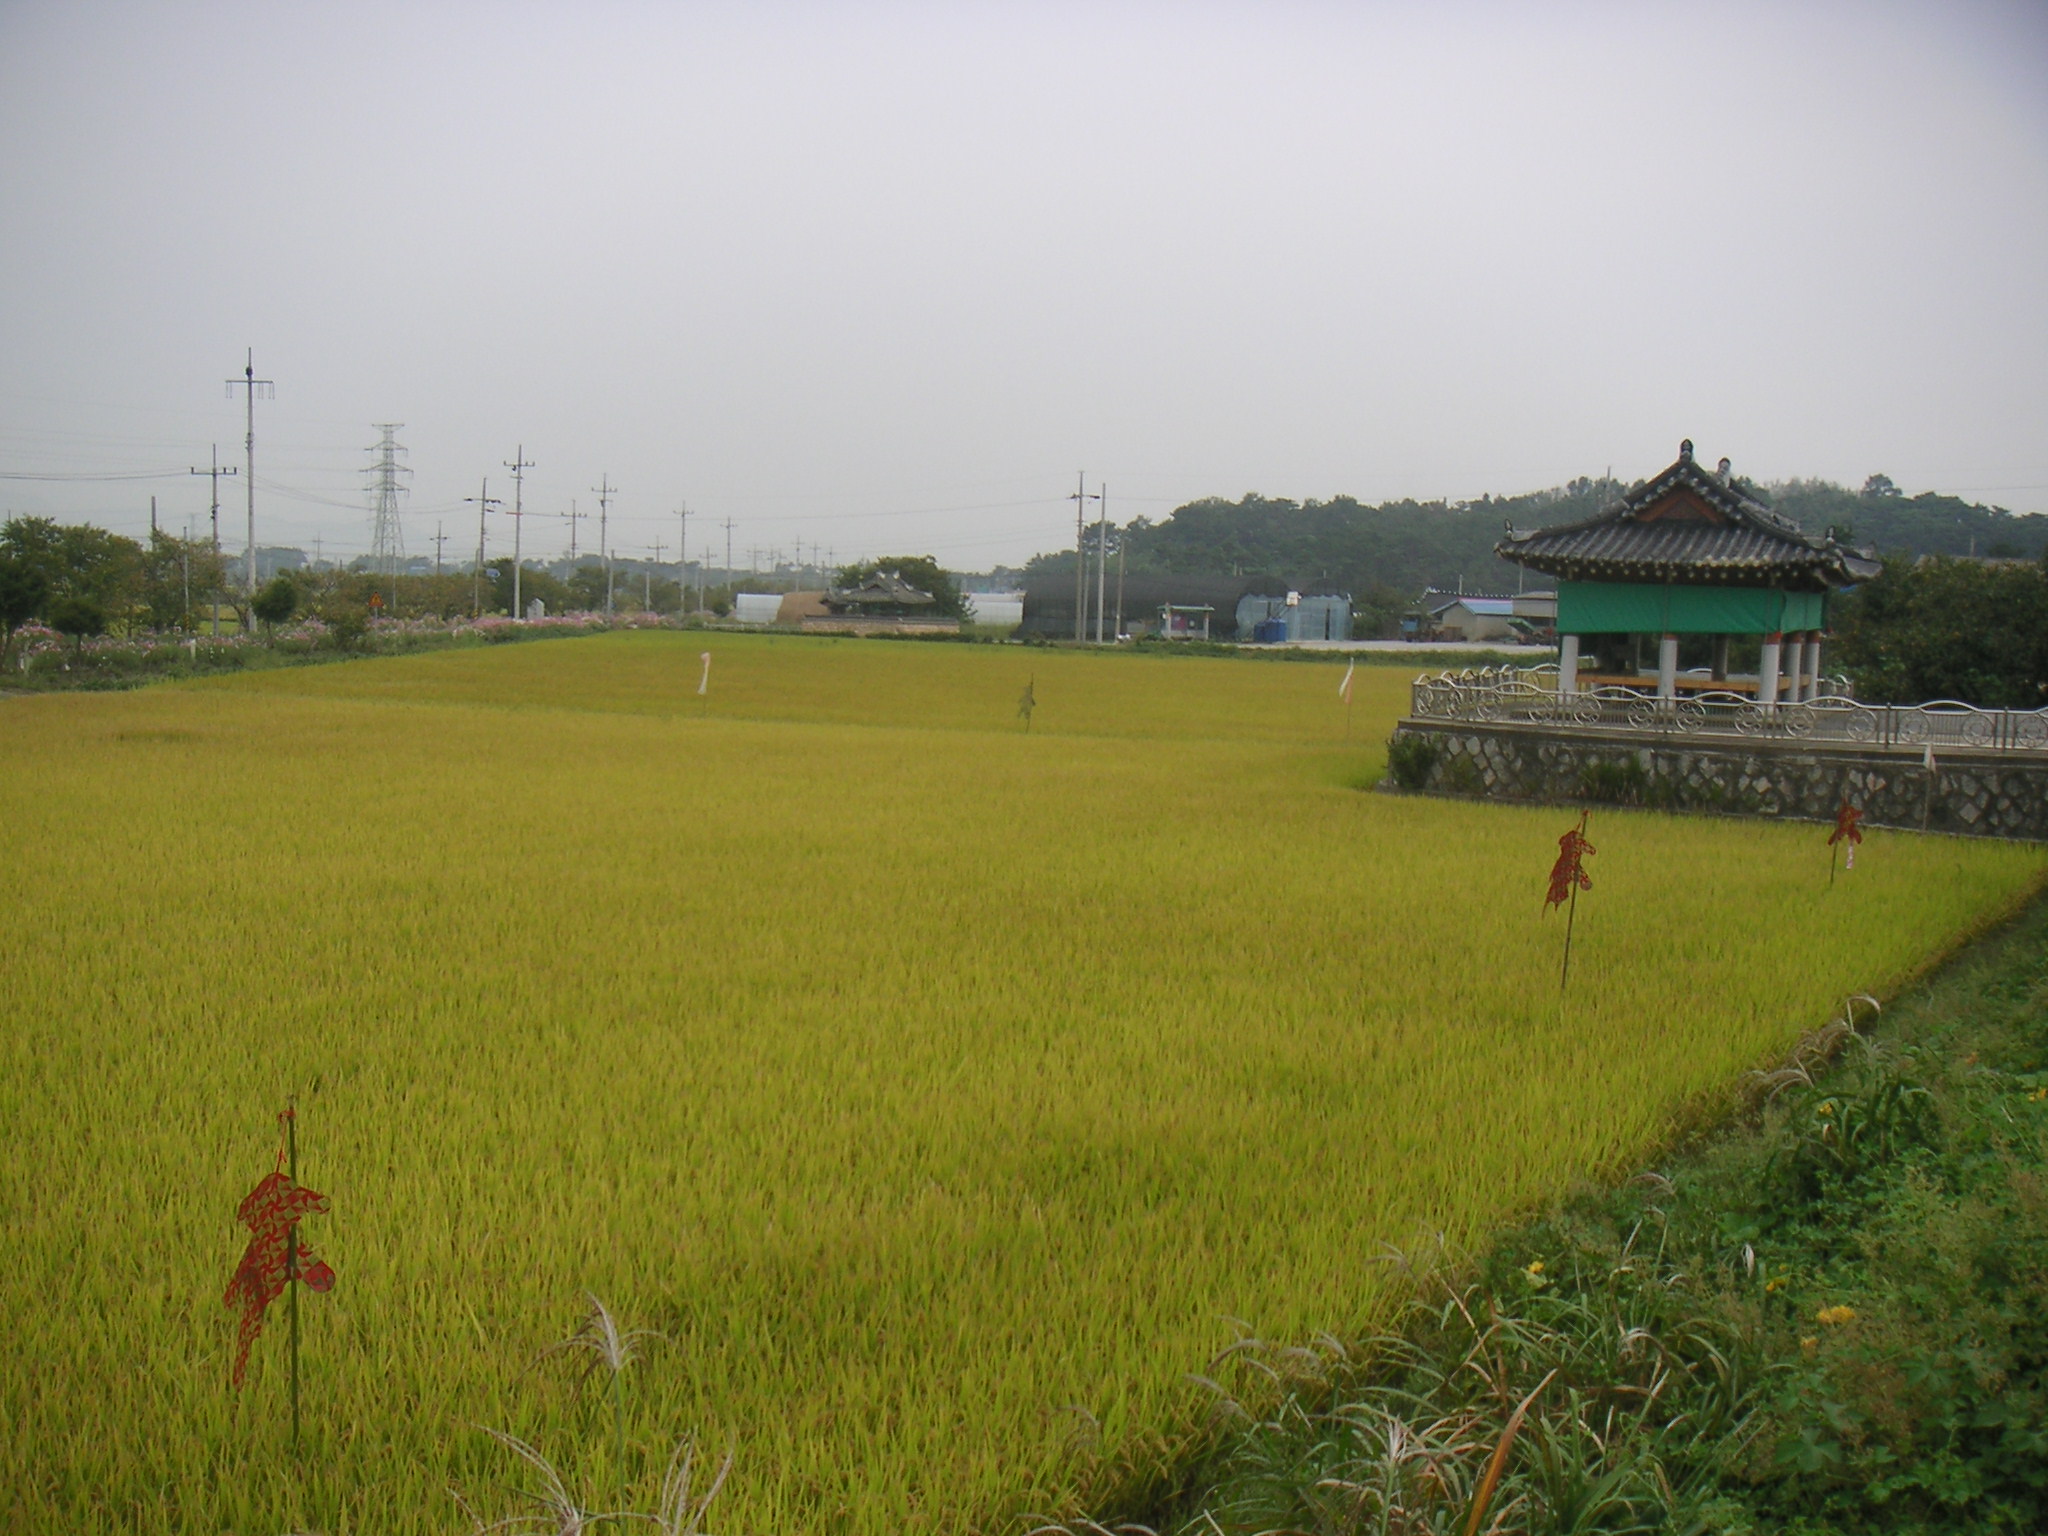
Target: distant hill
{"points": [[1385, 555]]}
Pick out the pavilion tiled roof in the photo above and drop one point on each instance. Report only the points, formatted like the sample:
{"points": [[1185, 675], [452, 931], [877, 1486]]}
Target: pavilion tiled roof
{"points": [[1690, 526]]}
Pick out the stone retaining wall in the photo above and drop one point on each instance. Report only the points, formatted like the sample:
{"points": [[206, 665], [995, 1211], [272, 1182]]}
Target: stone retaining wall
{"points": [[1977, 793]]}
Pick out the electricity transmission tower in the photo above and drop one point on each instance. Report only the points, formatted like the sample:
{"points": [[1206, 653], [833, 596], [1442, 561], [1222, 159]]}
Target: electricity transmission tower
{"points": [[387, 539], [268, 387]]}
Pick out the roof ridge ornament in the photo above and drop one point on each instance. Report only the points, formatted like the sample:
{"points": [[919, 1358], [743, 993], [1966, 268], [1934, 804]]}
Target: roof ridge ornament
{"points": [[1685, 451]]}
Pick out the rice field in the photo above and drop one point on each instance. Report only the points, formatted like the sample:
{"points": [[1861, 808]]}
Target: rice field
{"points": [[940, 1092]]}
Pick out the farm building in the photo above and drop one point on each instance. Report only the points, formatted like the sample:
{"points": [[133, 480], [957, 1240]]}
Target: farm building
{"points": [[884, 603], [1468, 616], [1296, 616], [1049, 601]]}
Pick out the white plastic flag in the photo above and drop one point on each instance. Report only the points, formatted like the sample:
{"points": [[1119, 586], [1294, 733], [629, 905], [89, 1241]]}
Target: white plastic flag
{"points": [[1344, 688], [704, 682]]}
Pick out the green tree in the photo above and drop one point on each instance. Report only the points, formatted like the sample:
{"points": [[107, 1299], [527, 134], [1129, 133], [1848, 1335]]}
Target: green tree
{"points": [[1948, 629], [78, 617], [177, 575], [533, 583], [921, 571], [276, 600], [586, 588], [77, 560], [23, 592]]}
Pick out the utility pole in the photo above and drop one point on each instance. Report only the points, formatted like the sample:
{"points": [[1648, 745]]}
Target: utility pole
{"points": [[647, 580], [252, 384], [387, 543], [440, 538], [1080, 499], [728, 551], [1120, 587], [683, 609], [484, 502], [574, 517], [604, 489], [213, 474], [519, 466], [1101, 558]]}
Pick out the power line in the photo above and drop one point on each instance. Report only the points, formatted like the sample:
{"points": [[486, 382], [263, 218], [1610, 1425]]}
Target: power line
{"points": [[140, 474]]}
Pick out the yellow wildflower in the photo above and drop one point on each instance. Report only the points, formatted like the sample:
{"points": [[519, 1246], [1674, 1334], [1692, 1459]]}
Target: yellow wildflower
{"points": [[1834, 1317], [1809, 1347]]}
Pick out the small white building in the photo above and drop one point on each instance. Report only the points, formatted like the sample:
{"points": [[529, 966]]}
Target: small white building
{"points": [[756, 607]]}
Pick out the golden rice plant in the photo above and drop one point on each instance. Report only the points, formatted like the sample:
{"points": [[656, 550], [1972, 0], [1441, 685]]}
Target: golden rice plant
{"points": [[937, 1091]]}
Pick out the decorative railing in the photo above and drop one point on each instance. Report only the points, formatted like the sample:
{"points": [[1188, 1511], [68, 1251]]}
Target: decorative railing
{"points": [[1510, 695]]}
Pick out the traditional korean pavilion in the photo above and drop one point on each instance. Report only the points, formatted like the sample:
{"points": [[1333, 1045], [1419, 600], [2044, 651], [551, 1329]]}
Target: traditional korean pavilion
{"points": [[1690, 553]]}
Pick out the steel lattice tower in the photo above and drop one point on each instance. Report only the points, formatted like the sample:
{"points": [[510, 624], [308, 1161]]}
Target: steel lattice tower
{"points": [[387, 538]]}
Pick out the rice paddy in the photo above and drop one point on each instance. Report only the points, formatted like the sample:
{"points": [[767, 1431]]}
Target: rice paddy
{"points": [[939, 1092]]}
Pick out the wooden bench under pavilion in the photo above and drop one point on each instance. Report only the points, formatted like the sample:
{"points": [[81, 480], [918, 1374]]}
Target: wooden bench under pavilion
{"points": [[1689, 552]]}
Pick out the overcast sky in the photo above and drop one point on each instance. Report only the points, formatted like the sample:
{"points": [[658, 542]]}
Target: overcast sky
{"points": [[884, 277]]}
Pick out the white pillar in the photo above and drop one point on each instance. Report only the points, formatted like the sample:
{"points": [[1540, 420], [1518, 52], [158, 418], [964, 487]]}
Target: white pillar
{"points": [[1795, 656], [1813, 664], [1667, 667], [1767, 672], [1568, 664]]}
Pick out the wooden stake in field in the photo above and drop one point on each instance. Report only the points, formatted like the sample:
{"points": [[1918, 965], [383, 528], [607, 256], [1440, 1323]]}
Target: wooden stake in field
{"points": [[1846, 831], [1567, 878], [1344, 693], [275, 1258], [1027, 701]]}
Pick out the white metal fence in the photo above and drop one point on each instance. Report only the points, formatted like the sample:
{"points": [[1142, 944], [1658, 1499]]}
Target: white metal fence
{"points": [[1529, 695]]}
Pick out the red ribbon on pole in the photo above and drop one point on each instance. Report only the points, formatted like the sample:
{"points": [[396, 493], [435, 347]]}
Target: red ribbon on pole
{"points": [[1568, 874], [272, 1211], [1845, 825]]}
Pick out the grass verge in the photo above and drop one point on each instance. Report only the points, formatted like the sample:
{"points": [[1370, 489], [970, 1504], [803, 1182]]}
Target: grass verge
{"points": [[1831, 1317]]}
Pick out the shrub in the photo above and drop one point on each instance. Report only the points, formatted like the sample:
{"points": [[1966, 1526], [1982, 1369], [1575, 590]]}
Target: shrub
{"points": [[1615, 781], [1410, 758]]}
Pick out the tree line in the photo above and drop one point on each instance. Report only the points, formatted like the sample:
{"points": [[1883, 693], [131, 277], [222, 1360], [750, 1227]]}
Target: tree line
{"points": [[1404, 546]]}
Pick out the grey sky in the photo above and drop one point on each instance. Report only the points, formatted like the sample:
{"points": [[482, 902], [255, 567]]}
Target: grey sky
{"points": [[883, 277]]}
